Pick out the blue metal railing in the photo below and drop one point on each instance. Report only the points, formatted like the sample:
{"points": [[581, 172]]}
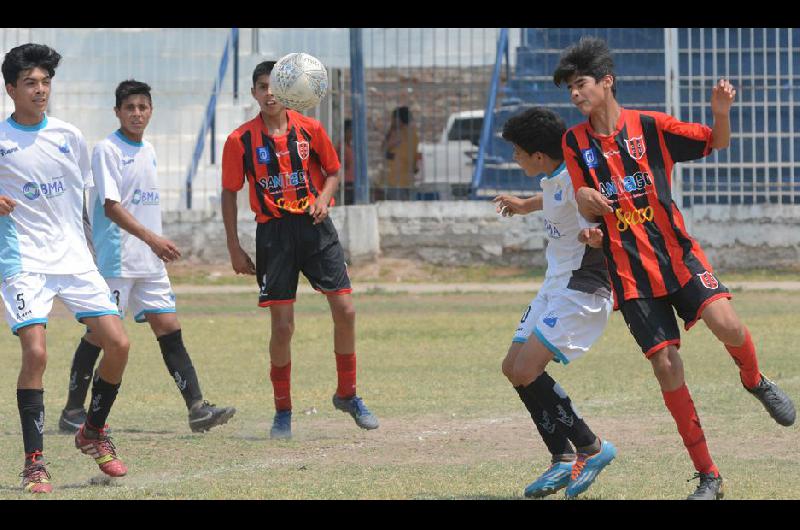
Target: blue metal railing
{"points": [[208, 121], [488, 115]]}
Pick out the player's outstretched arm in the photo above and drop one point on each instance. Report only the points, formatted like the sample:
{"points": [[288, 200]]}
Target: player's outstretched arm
{"points": [[592, 204], [508, 205], [6, 205], [240, 261], [722, 96], [161, 246]]}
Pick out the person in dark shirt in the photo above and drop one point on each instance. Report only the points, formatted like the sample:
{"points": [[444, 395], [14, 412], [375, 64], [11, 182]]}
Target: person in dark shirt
{"points": [[620, 162]]}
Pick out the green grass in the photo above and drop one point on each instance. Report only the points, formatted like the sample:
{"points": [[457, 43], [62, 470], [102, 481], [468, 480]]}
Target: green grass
{"points": [[429, 367]]}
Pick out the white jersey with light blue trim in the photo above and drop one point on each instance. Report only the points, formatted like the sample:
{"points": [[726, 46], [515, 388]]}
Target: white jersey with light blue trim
{"points": [[566, 255], [45, 169], [125, 172]]}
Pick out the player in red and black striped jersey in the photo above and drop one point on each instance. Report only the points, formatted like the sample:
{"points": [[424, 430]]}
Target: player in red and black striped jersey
{"points": [[620, 162], [290, 166]]}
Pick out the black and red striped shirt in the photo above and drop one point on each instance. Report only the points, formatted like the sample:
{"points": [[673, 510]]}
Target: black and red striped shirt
{"points": [[648, 250], [285, 172]]}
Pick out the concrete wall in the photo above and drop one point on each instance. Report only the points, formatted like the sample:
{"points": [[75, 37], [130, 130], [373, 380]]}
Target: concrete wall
{"points": [[470, 232]]}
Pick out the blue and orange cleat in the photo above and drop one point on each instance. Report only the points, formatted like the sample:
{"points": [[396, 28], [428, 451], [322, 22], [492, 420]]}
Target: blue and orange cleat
{"points": [[587, 467], [281, 425], [555, 478]]}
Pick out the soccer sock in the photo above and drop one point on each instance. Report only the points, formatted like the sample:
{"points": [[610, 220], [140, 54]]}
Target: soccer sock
{"points": [[103, 396], [281, 382], [556, 402], [30, 402], [180, 367], [346, 374], [80, 374], [680, 405], [553, 438], [745, 358]]}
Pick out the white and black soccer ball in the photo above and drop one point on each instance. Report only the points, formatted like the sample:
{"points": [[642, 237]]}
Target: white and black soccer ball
{"points": [[299, 81]]}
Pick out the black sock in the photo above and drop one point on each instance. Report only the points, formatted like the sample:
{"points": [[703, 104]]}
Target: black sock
{"points": [[180, 367], [555, 440], [80, 374], [30, 402], [103, 396], [556, 402]]}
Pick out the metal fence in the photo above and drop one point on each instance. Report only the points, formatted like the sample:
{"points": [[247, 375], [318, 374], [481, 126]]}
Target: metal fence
{"points": [[762, 164]]}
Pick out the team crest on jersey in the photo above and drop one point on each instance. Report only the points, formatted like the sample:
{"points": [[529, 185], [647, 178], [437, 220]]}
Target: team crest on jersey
{"points": [[636, 147], [64, 147], [263, 155], [708, 280], [302, 150], [558, 195], [589, 158]]}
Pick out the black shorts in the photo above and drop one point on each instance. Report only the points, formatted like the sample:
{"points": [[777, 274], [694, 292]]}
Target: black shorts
{"points": [[287, 245], [652, 321]]}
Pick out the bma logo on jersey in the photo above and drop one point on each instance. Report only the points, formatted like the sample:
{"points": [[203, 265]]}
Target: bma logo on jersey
{"points": [[589, 157], [147, 198], [551, 229], [49, 190], [708, 280], [262, 153]]}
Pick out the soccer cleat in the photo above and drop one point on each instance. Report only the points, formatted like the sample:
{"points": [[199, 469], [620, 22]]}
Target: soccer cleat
{"points": [[586, 468], [709, 489], [71, 420], [100, 447], [555, 478], [356, 408], [775, 400], [208, 416], [35, 478], [281, 425]]}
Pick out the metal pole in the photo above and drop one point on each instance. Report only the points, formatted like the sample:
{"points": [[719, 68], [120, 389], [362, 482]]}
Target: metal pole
{"points": [[235, 67], [358, 88]]}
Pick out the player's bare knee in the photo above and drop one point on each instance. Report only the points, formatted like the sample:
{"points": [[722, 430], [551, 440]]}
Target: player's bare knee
{"points": [[283, 329], [730, 331], [507, 368], [34, 360], [344, 315], [117, 346]]}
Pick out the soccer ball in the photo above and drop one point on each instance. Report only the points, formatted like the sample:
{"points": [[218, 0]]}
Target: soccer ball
{"points": [[299, 81]]}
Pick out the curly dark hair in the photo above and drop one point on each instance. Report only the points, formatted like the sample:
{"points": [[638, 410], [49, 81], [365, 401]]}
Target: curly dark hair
{"points": [[27, 56], [129, 88], [589, 56], [536, 130]]}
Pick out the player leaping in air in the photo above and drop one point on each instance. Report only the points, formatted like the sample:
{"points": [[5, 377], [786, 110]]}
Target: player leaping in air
{"points": [[620, 162], [278, 153], [568, 314]]}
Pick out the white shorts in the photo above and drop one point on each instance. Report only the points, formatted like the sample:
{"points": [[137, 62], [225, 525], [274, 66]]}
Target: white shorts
{"points": [[568, 322], [28, 297], [140, 296]]}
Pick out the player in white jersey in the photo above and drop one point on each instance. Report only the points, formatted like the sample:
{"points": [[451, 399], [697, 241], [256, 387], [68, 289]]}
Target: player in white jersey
{"points": [[567, 316], [44, 169], [131, 252]]}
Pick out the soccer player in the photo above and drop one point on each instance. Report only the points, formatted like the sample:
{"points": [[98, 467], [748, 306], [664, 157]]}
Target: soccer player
{"points": [[44, 169], [275, 152], [568, 314], [132, 259], [620, 162]]}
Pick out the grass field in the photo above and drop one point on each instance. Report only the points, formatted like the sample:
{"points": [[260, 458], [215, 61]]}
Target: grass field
{"points": [[429, 367]]}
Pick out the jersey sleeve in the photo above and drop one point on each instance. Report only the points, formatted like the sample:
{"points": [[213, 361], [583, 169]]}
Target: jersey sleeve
{"points": [[84, 162], [323, 146], [684, 141], [105, 168], [572, 160], [233, 176]]}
